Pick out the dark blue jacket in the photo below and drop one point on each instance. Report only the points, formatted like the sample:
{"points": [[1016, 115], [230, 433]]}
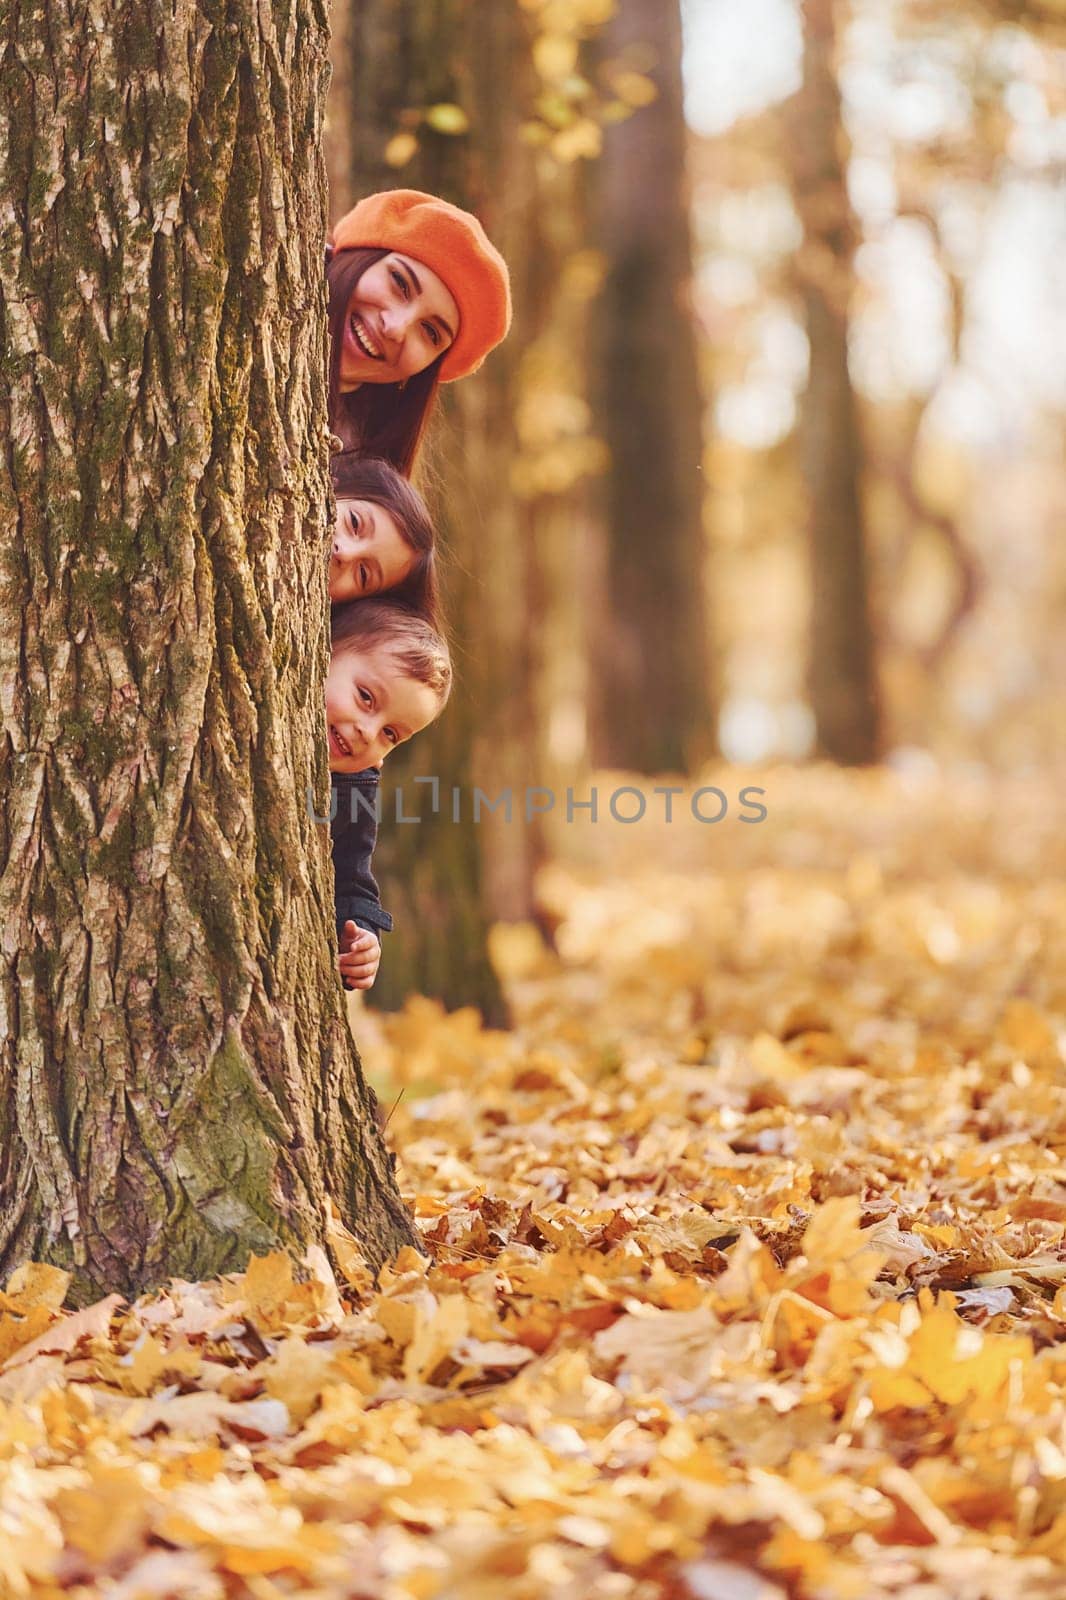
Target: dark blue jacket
{"points": [[354, 829]]}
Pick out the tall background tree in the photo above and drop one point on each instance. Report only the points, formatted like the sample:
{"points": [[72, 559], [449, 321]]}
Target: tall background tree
{"points": [[842, 669], [178, 1085], [651, 674]]}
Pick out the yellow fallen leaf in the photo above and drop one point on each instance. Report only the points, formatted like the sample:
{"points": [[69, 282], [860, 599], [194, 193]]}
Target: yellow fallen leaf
{"points": [[671, 1350], [107, 1515], [321, 1274], [348, 1255], [22, 1330], [1028, 1030], [69, 1331], [139, 1370], [35, 1284], [839, 1263], [205, 1415], [438, 1327], [266, 1285], [297, 1373], [956, 1361], [771, 1059], [486, 1353]]}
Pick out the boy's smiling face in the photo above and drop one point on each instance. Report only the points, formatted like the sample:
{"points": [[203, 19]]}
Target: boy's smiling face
{"points": [[372, 706]]}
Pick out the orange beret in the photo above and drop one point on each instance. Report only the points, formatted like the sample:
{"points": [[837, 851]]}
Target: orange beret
{"points": [[454, 245]]}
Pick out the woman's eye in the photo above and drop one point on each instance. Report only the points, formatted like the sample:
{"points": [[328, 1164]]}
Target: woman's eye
{"points": [[401, 281], [354, 523], [390, 734], [365, 695], [364, 576], [432, 334]]}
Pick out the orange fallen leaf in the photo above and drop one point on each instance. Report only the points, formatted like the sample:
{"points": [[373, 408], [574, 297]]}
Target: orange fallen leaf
{"points": [[69, 1331]]}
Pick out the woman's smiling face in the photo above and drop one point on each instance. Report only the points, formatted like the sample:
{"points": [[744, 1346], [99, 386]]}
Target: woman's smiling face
{"points": [[369, 553], [400, 318]]}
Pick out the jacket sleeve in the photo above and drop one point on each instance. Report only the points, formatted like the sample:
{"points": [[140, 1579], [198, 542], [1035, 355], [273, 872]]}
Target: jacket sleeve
{"points": [[354, 831]]}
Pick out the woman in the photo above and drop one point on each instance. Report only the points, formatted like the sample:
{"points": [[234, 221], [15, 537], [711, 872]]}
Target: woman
{"points": [[418, 296], [383, 537]]}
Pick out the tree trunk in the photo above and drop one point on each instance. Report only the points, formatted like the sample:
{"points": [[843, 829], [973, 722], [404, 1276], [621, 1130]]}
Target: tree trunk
{"points": [[178, 1086], [652, 673], [448, 876], [842, 675]]}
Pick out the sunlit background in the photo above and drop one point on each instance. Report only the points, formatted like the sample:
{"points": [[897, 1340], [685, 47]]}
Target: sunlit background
{"points": [[957, 352]]}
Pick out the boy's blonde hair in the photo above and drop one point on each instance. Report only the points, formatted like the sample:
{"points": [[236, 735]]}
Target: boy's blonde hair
{"points": [[419, 649]]}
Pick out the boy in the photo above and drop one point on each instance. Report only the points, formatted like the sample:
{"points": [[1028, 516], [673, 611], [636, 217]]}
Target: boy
{"points": [[389, 676]]}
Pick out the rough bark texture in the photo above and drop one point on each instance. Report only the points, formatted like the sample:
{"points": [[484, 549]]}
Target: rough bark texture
{"points": [[446, 880], [178, 1086], [652, 673], [842, 675]]}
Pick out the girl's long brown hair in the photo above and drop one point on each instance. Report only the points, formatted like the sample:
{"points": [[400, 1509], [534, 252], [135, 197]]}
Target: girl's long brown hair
{"points": [[379, 419], [359, 477]]}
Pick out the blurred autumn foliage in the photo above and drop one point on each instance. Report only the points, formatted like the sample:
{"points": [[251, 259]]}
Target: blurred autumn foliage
{"points": [[952, 126]]}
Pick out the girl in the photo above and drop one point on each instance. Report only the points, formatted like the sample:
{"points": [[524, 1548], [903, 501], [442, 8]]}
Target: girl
{"points": [[389, 676], [418, 296], [383, 538]]}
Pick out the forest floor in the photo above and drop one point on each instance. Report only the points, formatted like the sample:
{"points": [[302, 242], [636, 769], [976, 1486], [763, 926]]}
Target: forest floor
{"points": [[745, 1270]]}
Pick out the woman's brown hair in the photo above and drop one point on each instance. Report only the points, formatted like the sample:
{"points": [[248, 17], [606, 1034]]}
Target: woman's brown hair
{"points": [[379, 419], [359, 477]]}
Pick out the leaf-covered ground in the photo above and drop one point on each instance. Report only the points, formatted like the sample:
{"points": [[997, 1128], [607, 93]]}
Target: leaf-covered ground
{"points": [[745, 1269]]}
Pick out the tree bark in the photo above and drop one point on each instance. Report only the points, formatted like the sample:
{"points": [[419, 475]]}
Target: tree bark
{"points": [[652, 672], [842, 674], [178, 1086]]}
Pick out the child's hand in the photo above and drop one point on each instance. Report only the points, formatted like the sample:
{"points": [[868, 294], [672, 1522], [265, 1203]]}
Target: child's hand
{"points": [[360, 957]]}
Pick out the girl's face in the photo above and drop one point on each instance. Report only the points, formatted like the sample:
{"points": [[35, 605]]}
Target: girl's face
{"points": [[400, 318], [369, 553], [372, 706]]}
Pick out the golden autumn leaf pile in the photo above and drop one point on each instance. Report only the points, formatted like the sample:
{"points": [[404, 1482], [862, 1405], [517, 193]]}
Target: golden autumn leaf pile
{"points": [[745, 1271]]}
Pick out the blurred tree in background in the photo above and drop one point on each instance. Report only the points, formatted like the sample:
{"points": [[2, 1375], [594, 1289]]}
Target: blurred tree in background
{"points": [[841, 672], [650, 674]]}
